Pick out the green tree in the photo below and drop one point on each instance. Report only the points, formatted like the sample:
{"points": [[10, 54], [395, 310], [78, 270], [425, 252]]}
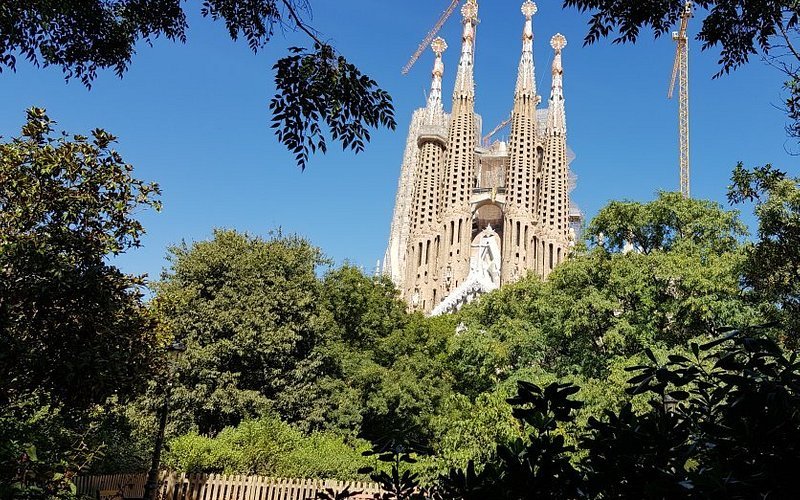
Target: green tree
{"points": [[67, 203], [680, 278], [66, 316], [365, 310], [771, 271], [315, 88], [249, 312], [664, 223]]}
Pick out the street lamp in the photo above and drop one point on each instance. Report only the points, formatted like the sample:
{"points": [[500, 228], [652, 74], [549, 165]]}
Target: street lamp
{"points": [[174, 351]]}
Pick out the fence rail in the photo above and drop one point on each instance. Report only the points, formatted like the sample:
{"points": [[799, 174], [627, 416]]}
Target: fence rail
{"points": [[218, 487]]}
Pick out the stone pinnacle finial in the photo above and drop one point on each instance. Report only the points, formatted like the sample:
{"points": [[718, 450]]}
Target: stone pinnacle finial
{"points": [[470, 10], [558, 42], [438, 46], [529, 9], [435, 97]]}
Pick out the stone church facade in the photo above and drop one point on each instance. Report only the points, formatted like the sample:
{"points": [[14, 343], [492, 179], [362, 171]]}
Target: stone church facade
{"points": [[470, 217]]}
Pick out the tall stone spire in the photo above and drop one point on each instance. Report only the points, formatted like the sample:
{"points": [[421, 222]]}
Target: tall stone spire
{"points": [[435, 97], [526, 80], [425, 242], [524, 165], [459, 173], [554, 202], [465, 84], [556, 119]]}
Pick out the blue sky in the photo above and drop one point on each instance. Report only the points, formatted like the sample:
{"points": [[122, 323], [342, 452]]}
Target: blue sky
{"points": [[194, 118]]}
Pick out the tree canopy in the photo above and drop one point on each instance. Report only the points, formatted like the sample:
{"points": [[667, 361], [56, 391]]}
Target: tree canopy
{"points": [[66, 315], [319, 93], [66, 203]]}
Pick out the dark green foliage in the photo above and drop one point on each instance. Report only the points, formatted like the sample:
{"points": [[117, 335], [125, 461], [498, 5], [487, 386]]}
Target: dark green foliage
{"points": [[536, 466], [66, 315], [739, 27], [539, 466], [331, 494], [722, 422], [74, 332], [314, 88], [400, 483], [322, 87], [248, 310], [772, 266], [728, 431]]}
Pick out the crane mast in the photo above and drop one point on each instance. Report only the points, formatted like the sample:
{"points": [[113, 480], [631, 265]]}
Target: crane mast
{"points": [[680, 73], [429, 37]]}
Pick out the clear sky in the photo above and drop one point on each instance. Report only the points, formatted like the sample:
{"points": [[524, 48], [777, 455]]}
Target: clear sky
{"points": [[194, 118]]}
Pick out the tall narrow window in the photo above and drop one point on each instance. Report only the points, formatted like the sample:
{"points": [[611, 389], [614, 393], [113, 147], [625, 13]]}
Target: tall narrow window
{"points": [[551, 256], [558, 261], [427, 251], [419, 255], [459, 230]]}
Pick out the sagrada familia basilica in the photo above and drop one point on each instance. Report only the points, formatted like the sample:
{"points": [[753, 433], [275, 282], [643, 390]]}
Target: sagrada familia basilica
{"points": [[470, 217]]}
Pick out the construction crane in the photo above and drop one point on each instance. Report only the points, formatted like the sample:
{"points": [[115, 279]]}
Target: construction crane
{"points": [[431, 34], [495, 130], [680, 72]]}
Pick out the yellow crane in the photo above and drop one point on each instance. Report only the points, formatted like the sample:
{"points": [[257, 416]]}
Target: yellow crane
{"points": [[429, 37], [680, 73]]}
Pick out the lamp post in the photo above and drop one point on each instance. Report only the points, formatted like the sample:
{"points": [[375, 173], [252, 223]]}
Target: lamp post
{"points": [[150, 487]]}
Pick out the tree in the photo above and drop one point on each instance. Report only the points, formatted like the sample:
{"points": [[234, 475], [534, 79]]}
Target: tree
{"points": [[741, 28], [660, 274], [66, 203], [721, 422], [316, 87], [250, 314], [771, 271], [66, 315], [664, 223]]}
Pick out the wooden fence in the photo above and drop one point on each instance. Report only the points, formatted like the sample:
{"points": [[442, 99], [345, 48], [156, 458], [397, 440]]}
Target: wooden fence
{"points": [[218, 487]]}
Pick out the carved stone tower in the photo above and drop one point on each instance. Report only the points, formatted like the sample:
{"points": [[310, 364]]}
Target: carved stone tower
{"points": [[469, 216]]}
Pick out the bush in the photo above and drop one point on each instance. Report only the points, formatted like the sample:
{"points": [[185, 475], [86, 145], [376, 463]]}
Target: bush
{"points": [[268, 447]]}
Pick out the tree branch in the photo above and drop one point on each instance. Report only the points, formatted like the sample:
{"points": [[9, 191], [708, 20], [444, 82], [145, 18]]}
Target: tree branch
{"points": [[789, 44], [299, 22]]}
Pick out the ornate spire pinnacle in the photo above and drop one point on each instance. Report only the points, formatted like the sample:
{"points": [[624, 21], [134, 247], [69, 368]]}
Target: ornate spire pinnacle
{"points": [[526, 81], [464, 79], [435, 98], [556, 120]]}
